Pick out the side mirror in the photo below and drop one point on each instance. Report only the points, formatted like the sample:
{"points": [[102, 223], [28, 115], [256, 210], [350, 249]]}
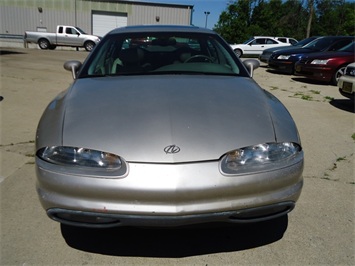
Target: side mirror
{"points": [[73, 66], [251, 65]]}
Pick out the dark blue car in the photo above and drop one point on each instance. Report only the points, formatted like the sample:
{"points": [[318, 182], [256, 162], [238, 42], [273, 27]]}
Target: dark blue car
{"points": [[285, 60]]}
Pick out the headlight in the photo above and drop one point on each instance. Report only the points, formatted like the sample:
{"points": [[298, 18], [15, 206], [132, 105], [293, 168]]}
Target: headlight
{"points": [[80, 157], [350, 71], [283, 57], [319, 61], [261, 157]]}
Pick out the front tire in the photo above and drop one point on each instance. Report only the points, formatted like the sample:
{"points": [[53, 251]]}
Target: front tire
{"points": [[43, 44], [338, 73], [238, 52], [89, 45]]}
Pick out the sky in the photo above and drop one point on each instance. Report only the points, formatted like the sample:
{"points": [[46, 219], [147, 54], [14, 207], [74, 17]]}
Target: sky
{"points": [[215, 7]]}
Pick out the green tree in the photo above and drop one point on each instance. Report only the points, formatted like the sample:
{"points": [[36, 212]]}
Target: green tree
{"points": [[264, 19], [234, 22], [292, 18], [290, 21], [334, 17]]}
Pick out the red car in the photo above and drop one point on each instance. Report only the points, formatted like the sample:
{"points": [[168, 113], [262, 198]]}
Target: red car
{"points": [[326, 66]]}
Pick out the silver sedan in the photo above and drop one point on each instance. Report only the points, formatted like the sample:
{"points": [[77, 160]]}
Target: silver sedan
{"points": [[164, 126]]}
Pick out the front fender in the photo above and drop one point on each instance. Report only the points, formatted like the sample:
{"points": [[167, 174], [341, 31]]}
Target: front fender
{"points": [[50, 127], [284, 125]]}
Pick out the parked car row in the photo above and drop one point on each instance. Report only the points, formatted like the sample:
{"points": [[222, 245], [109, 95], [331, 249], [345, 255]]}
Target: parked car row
{"points": [[326, 66], [318, 58], [285, 60]]}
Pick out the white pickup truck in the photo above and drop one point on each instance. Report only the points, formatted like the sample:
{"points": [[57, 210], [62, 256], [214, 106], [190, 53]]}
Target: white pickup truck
{"points": [[65, 36]]}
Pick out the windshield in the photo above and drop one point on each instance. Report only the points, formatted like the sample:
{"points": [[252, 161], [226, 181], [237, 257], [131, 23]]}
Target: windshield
{"points": [[162, 53], [248, 41], [304, 41], [323, 43], [348, 48]]}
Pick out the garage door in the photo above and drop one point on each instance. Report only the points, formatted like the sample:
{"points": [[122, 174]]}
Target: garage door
{"points": [[103, 23]]}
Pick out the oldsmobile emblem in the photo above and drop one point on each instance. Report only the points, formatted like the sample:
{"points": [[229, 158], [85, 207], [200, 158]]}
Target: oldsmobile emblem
{"points": [[171, 149]]}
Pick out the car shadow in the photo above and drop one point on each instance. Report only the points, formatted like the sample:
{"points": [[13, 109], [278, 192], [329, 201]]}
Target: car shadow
{"points": [[5, 52], [175, 242], [310, 81], [344, 104], [278, 72]]}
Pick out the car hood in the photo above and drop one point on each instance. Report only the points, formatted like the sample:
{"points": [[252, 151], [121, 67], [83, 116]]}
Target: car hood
{"points": [[295, 51], [138, 117], [281, 48]]}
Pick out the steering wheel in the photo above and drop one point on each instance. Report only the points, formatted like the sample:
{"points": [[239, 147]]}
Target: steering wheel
{"points": [[200, 58]]}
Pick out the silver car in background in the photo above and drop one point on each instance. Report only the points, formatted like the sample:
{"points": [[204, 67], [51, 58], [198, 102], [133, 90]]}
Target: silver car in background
{"points": [[164, 126]]}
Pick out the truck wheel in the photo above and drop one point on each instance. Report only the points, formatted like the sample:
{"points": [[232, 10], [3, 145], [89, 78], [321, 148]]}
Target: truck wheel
{"points": [[238, 52], [89, 45], [43, 43]]}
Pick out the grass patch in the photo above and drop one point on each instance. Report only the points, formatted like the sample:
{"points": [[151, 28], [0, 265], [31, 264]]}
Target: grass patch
{"points": [[353, 136], [341, 159], [302, 96], [315, 92], [328, 98], [307, 97]]}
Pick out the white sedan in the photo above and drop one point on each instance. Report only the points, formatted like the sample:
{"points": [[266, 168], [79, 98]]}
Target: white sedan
{"points": [[256, 45]]}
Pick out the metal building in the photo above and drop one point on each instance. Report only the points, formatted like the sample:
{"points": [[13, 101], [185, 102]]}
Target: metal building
{"points": [[93, 16]]}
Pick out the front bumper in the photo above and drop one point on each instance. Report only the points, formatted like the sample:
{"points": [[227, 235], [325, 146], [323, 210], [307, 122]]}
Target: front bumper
{"points": [[346, 85], [106, 220], [264, 57], [168, 195], [320, 73], [282, 65]]}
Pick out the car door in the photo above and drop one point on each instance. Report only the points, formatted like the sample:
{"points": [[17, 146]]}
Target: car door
{"points": [[60, 35], [257, 46], [70, 37]]}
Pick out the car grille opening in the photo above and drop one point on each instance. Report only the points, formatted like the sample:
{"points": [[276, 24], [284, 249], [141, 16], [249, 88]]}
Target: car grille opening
{"points": [[82, 219]]}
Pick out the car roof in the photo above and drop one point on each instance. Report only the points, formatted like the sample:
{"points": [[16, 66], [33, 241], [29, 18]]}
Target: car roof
{"points": [[161, 28], [300, 50], [338, 37], [272, 37]]}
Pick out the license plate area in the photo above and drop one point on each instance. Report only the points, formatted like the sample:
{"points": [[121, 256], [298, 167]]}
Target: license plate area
{"points": [[347, 87]]}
